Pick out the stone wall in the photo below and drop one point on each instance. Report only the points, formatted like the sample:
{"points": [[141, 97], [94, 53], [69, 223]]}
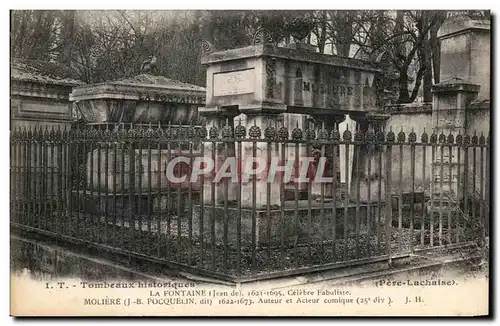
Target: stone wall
{"points": [[478, 121], [478, 118], [33, 113], [416, 117]]}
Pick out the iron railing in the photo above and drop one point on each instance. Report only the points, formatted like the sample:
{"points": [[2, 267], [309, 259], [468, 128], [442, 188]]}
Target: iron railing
{"points": [[107, 189]]}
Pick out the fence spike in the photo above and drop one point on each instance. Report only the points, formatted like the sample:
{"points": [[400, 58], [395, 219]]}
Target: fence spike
{"points": [[358, 135], [390, 135], [323, 133], [442, 137], [254, 131], [297, 133], [310, 133], [269, 132], [335, 133], [370, 135], [401, 136], [412, 136], [283, 132], [424, 138], [168, 131], [347, 135], [450, 139], [213, 132], [467, 139], [475, 139], [227, 131], [482, 139], [240, 131]]}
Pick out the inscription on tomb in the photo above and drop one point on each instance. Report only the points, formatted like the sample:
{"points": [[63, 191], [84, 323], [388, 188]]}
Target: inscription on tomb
{"points": [[334, 89], [233, 83]]}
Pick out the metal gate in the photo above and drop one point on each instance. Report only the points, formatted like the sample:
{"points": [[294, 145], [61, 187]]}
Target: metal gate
{"points": [[107, 189]]}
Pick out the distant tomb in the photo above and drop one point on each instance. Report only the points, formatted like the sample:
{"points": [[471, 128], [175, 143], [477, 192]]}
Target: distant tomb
{"points": [[39, 94], [142, 99]]}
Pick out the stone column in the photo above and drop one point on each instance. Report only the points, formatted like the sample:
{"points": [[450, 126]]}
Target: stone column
{"points": [[450, 101], [329, 123], [264, 153], [216, 120], [465, 72], [366, 165]]}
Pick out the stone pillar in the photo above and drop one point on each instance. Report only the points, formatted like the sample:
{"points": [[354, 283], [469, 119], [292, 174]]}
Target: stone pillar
{"points": [[256, 128], [216, 120], [328, 123], [367, 175], [450, 101], [292, 121], [465, 79]]}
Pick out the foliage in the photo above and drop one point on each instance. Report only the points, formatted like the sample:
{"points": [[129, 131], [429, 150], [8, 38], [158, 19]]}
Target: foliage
{"points": [[105, 45]]}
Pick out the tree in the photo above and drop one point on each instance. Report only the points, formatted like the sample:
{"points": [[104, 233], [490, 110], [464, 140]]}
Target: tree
{"points": [[104, 45], [33, 34], [403, 38]]}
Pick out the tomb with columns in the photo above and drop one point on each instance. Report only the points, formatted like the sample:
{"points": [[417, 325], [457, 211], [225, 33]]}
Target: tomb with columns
{"points": [[281, 90]]}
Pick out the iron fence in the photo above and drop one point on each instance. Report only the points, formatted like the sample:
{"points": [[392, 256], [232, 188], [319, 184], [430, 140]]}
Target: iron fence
{"points": [[108, 188]]}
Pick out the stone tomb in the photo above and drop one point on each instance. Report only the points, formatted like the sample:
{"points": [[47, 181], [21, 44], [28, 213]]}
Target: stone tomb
{"points": [[39, 94], [141, 100], [263, 83], [39, 99], [265, 78]]}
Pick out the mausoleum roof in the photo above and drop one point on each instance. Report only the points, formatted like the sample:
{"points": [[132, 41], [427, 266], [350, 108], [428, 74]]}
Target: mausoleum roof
{"points": [[144, 87], [41, 72], [455, 84], [460, 24], [157, 81]]}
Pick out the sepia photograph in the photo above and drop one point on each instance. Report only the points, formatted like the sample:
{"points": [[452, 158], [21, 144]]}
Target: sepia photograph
{"points": [[250, 162]]}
